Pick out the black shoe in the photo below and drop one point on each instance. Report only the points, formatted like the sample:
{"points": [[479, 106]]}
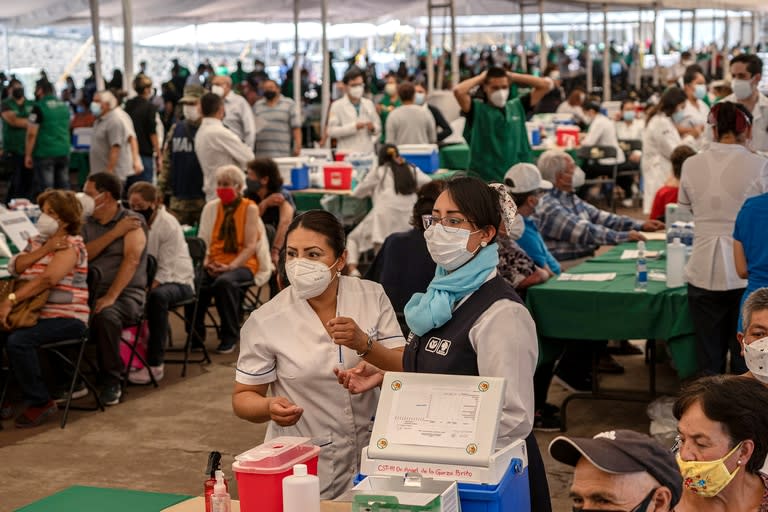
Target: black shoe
{"points": [[549, 409], [608, 364], [60, 395], [111, 394], [574, 383], [545, 422], [625, 348], [226, 347]]}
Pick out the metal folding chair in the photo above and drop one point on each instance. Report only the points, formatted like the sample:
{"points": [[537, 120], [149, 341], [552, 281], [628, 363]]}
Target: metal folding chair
{"points": [[197, 252]]}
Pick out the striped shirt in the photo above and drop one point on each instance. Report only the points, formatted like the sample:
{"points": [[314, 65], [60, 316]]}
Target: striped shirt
{"points": [[573, 228], [274, 140], [69, 297]]}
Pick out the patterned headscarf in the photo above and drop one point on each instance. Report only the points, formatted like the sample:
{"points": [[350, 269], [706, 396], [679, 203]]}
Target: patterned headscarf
{"points": [[507, 204]]}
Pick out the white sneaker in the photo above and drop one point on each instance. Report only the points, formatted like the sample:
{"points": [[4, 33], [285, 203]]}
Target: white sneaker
{"points": [[142, 376]]}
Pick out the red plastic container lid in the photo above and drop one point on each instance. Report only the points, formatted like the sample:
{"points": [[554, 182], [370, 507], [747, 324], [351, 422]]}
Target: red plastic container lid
{"points": [[276, 456]]}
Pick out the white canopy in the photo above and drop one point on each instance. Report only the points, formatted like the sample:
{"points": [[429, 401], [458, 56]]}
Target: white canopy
{"points": [[37, 13]]}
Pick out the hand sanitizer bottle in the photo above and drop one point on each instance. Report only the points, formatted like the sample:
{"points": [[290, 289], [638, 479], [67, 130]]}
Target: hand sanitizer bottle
{"points": [[220, 501]]}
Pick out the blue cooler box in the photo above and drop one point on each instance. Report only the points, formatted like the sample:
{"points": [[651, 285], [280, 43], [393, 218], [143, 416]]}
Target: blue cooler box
{"points": [[299, 178], [512, 494], [423, 156]]}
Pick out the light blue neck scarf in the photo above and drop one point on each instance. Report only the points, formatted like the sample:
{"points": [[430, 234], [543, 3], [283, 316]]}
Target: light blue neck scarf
{"points": [[427, 311]]}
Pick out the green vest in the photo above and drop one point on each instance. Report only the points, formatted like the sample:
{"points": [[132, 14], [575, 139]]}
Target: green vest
{"points": [[14, 138], [53, 133], [497, 139]]}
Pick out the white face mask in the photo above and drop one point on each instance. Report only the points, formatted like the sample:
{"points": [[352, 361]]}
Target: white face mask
{"points": [[46, 225], [356, 91], [217, 90], [756, 356], [742, 89], [578, 178], [517, 229], [191, 112], [449, 250], [500, 97], [390, 89], [86, 202], [307, 277]]}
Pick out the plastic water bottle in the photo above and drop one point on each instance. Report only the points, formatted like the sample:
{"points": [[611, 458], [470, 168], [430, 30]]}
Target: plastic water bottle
{"points": [[687, 237], [641, 273], [675, 264], [301, 491]]}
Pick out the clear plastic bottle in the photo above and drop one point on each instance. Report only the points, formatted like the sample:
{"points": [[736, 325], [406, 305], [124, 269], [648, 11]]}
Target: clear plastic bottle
{"points": [[675, 264], [301, 491], [641, 274]]}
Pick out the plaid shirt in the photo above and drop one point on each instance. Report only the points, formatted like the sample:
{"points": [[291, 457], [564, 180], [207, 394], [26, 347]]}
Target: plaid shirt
{"points": [[573, 228]]}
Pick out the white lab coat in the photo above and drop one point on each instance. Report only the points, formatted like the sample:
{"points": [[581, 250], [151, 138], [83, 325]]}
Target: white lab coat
{"points": [[285, 345], [630, 131], [659, 140], [391, 211], [694, 115], [602, 132], [714, 185], [342, 125]]}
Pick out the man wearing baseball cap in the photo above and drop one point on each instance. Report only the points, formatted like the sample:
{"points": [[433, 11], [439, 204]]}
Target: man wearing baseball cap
{"points": [[181, 176], [525, 184], [620, 470]]}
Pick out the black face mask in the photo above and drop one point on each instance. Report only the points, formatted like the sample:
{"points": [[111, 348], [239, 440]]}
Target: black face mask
{"points": [[146, 213], [18, 93], [270, 95], [253, 186]]}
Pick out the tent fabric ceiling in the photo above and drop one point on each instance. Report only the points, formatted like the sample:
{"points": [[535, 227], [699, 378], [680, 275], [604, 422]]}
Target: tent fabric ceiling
{"points": [[37, 13]]}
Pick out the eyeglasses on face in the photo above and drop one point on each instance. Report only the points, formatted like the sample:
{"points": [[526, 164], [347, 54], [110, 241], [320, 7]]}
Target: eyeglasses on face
{"points": [[451, 224]]}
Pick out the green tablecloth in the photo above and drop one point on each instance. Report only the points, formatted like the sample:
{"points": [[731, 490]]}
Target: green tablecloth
{"points": [[456, 156], [97, 499], [581, 310]]}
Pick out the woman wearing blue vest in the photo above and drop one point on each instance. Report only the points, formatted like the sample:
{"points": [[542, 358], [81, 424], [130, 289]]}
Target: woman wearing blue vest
{"points": [[490, 332]]}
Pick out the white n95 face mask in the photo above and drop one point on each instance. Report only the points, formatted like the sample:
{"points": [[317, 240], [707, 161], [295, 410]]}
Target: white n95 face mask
{"points": [[517, 229], [499, 98], [578, 178], [217, 90], [756, 356], [191, 112], [46, 225], [449, 250], [307, 277], [742, 89], [356, 91]]}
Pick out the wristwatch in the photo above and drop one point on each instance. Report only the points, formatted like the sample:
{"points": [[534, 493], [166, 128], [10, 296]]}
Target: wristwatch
{"points": [[368, 347], [12, 300]]}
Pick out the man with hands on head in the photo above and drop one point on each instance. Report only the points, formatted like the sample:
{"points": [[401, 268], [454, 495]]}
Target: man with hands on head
{"points": [[495, 128]]}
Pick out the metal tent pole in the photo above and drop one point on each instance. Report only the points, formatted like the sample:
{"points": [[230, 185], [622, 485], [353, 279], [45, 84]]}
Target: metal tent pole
{"points": [[589, 51], [726, 45], [542, 39], [7, 49], [325, 89], [455, 74], [693, 29], [606, 57], [523, 52], [94, 4], [128, 45], [640, 52], [430, 63], [656, 46]]}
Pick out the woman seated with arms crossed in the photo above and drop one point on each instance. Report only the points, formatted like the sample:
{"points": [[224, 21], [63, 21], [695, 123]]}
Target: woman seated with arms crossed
{"points": [[56, 261], [292, 344], [470, 304], [722, 444], [232, 230]]}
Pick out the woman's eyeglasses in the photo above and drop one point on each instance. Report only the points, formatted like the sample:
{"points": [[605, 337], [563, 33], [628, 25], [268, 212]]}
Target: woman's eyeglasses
{"points": [[451, 224]]}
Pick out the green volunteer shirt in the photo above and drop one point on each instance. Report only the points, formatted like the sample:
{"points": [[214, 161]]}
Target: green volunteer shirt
{"points": [[497, 138], [51, 115], [387, 102], [13, 137]]}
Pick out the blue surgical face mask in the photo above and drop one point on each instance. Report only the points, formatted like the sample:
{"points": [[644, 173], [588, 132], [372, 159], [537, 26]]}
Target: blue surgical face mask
{"points": [[96, 109], [678, 116], [701, 91], [419, 98], [629, 116]]}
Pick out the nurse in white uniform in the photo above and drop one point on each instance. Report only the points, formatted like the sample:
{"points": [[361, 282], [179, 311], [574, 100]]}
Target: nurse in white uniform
{"points": [[353, 120], [291, 345], [659, 140], [392, 187], [695, 113]]}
